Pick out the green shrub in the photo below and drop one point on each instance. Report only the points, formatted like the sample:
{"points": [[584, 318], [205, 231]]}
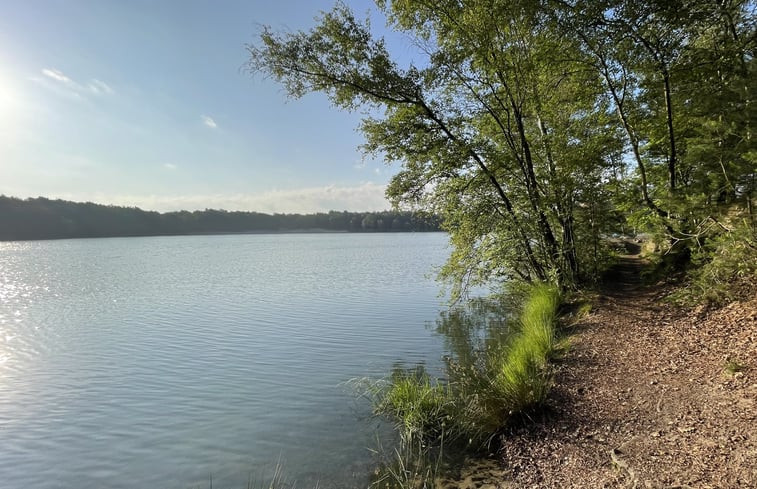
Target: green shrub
{"points": [[722, 269], [538, 320]]}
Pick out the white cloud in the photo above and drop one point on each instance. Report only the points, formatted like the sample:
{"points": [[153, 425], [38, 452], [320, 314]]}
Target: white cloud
{"points": [[99, 87], [208, 121], [363, 197], [65, 85], [170, 166], [56, 75]]}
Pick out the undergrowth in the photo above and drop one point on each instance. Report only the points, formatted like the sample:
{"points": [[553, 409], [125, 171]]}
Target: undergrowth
{"points": [[722, 268], [480, 396]]}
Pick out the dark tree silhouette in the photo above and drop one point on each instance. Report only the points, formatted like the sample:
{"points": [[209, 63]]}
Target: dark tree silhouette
{"points": [[41, 218]]}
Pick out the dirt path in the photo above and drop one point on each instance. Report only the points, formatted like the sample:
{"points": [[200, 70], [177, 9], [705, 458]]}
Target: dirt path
{"points": [[644, 399]]}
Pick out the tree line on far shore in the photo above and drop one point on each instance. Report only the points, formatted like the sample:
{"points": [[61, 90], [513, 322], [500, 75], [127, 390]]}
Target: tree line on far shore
{"points": [[41, 218]]}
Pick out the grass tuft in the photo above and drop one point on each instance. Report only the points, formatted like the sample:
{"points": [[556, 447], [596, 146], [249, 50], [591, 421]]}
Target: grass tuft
{"points": [[412, 465], [419, 405], [734, 366]]}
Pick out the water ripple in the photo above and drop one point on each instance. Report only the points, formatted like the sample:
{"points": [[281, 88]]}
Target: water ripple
{"points": [[157, 361]]}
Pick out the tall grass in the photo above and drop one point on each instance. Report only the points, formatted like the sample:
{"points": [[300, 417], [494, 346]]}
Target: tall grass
{"points": [[413, 464], [521, 371], [419, 405], [507, 378]]}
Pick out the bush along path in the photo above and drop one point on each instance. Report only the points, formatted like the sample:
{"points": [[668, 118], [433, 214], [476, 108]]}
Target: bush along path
{"points": [[649, 395]]}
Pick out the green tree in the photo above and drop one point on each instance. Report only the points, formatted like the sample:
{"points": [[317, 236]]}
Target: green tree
{"points": [[534, 128], [680, 76], [497, 128]]}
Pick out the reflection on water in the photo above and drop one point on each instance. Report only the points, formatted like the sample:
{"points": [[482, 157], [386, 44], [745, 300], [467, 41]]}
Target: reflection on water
{"points": [[468, 330], [430, 404]]}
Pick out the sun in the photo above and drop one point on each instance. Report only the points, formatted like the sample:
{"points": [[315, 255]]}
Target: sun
{"points": [[11, 108], [8, 97]]}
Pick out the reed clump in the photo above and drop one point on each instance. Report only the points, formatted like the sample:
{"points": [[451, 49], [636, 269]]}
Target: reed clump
{"points": [[505, 379], [521, 375], [419, 404]]}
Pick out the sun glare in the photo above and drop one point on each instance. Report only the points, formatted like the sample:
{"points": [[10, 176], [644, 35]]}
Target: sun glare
{"points": [[8, 97]]}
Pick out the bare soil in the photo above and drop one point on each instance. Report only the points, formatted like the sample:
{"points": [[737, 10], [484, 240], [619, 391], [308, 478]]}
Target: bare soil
{"points": [[645, 398]]}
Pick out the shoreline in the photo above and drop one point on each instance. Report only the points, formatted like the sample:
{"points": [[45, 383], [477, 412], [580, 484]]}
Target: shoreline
{"points": [[649, 395], [236, 233]]}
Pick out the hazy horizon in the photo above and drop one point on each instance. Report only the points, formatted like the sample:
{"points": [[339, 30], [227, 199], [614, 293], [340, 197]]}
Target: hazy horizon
{"points": [[361, 198]]}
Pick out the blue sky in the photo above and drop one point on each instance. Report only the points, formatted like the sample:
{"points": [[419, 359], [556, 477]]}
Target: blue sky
{"points": [[144, 103]]}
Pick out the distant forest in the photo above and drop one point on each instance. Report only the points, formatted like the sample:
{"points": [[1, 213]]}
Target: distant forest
{"points": [[41, 218]]}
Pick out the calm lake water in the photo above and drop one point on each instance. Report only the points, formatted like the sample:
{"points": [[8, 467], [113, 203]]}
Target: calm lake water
{"points": [[158, 362]]}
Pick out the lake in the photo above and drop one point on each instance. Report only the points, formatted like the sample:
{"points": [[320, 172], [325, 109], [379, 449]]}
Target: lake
{"points": [[160, 362]]}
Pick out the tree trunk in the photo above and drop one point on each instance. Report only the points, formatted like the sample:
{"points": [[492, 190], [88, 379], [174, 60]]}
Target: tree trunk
{"points": [[672, 160]]}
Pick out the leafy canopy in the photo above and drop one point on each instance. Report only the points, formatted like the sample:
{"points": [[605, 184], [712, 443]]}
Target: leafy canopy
{"points": [[535, 128]]}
